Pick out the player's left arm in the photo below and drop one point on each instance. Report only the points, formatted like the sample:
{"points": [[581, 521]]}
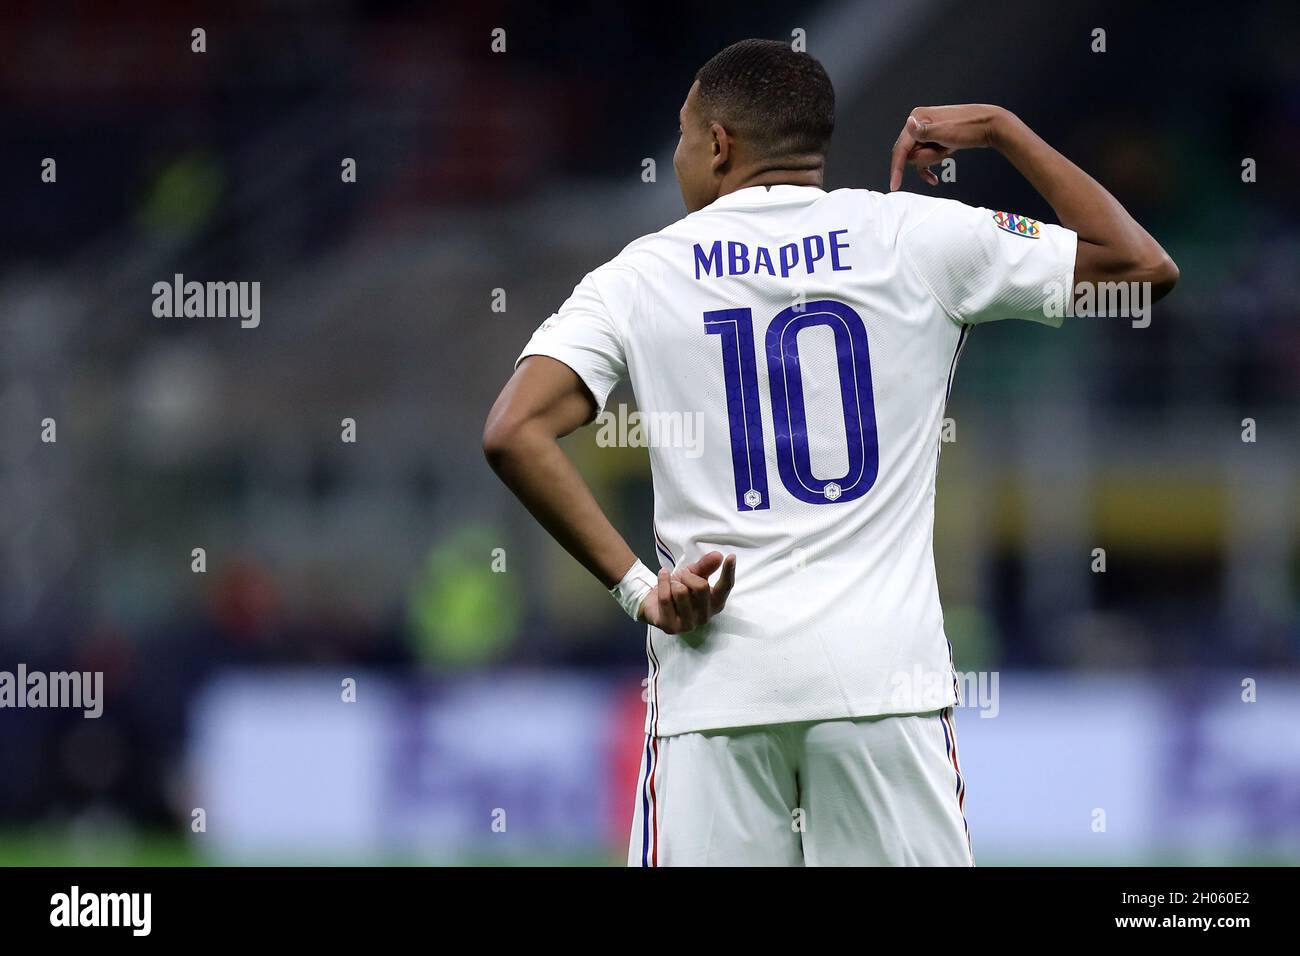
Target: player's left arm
{"points": [[544, 401], [1112, 245]]}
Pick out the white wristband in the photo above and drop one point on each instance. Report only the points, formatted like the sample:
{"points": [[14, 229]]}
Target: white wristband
{"points": [[631, 591]]}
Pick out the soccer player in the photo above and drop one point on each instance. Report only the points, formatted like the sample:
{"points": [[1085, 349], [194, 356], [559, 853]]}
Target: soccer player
{"points": [[801, 688]]}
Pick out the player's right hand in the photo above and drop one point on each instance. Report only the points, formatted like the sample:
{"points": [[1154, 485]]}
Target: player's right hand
{"points": [[933, 133], [683, 600]]}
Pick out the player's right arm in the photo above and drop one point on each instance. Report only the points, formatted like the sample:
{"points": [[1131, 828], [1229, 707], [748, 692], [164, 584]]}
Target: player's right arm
{"points": [[1112, 246], [544, 401]]}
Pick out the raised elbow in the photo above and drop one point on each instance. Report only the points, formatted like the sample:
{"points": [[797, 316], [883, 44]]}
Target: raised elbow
{"points": [[1162, 274], [1145, 264]]}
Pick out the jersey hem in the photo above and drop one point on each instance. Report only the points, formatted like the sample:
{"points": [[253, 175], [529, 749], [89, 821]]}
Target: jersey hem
{"points": [[732, 719]]}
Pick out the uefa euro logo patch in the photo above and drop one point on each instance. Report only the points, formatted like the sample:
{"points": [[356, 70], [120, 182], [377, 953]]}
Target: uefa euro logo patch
{"points": [[1017, 225]]}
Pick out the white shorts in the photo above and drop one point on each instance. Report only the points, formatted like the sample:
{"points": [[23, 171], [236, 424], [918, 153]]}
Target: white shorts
{"points": [[870, 791]]}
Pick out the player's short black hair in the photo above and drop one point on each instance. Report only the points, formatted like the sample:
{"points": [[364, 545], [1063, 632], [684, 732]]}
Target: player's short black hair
{"points": [[779, 101]]}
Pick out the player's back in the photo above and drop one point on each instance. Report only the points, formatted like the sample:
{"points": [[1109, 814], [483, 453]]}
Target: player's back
{"points": [[791, 352]]}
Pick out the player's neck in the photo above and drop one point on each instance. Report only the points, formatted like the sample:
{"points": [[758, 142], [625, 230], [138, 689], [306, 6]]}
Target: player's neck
{"points": [[795, 174]]}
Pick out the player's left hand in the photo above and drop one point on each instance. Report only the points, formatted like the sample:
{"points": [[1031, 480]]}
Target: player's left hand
{"points": [[933, 133], [683, 600]]}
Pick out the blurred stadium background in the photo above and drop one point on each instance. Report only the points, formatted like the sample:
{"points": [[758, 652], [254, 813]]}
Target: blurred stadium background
{"points": [[521, 691]]}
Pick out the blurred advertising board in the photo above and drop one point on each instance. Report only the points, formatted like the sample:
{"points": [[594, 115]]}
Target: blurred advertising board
{"points": [[541, 766]]}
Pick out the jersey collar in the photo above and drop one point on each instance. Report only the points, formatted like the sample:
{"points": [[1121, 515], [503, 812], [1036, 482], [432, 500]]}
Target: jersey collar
{"points": [[764, 195]]}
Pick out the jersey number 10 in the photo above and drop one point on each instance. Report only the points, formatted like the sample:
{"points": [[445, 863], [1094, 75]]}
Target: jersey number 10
{"points": [[735, 327]]}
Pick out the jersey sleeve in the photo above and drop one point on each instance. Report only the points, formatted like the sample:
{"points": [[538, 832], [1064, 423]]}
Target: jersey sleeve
{"points": [[983, 265], [584, 335]]}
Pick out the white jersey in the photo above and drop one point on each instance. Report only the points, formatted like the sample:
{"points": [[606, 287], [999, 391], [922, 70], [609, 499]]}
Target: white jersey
{"points": [[811, 338]]}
